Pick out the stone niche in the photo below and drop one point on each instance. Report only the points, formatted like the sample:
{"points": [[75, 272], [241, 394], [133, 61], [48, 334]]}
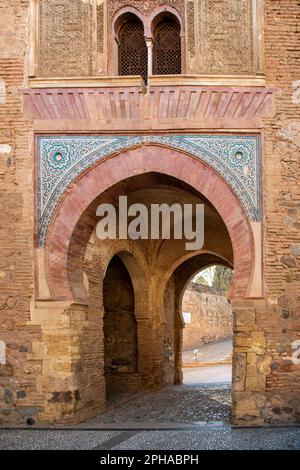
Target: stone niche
{"points": [[120, 327]]}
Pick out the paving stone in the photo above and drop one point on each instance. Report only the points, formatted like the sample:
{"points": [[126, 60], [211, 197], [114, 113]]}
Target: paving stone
{"points": [[176, 404]]}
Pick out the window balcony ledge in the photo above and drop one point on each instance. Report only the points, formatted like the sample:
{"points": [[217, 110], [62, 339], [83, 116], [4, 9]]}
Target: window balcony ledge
{"points": [[155, 80], [87, 82], [208, 80]]}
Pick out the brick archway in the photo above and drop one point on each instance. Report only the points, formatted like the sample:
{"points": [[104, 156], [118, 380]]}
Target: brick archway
{"points": [[144, 159]]}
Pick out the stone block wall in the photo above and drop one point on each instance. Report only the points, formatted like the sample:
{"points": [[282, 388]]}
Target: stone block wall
{"points": [[211, 316], [266, 379]]}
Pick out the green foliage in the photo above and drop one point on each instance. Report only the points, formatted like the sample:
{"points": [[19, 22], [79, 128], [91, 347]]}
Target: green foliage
{"points": [[218, 277], [222, 278]]}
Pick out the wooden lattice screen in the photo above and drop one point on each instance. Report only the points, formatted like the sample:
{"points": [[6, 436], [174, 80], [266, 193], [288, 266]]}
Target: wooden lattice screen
{"points": [[167, 48], [132, 50]]}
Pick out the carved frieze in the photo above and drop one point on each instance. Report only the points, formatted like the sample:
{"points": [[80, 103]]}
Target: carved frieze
{"points": [[219, 35], [100, 28], [190, 20]]}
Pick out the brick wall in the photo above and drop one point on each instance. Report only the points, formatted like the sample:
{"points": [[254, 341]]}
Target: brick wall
{"points": [[279, 317], [18, 395]]}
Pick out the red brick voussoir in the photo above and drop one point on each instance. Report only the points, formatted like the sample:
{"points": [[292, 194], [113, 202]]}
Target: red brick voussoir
{"points": [[147, 158]]}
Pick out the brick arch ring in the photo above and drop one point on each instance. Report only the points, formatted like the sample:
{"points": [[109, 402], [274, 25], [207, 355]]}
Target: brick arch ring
{"points": [[146, 158], [121, 16]]}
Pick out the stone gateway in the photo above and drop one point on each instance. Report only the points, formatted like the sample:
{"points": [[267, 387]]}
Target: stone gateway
{"points": [[204, 111]]}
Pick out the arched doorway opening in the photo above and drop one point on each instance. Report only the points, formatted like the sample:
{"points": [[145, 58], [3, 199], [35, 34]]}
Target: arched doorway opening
{"points": [[147, 175], [208, 327], [120, 328]]}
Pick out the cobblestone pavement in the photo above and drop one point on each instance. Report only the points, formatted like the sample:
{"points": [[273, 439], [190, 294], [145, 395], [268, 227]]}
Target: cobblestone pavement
{"points": [[186, 417], [176, 404], [201, 438], [223, 438]]}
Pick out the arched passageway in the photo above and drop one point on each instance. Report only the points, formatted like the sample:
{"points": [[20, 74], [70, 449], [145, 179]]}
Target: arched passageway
{"points": [[80, 203], [207, 319], [160, 362], [143, 285], [180, 280]]}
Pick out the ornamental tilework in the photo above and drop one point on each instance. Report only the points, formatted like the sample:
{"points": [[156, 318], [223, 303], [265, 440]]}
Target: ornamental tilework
{"points": [[62, 159]]}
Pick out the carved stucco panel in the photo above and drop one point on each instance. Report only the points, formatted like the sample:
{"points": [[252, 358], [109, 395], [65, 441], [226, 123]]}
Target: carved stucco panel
{"points": [[223, 31], [65, 47]]}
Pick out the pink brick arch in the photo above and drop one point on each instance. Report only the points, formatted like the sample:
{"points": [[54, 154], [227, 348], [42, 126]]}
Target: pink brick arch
{"points": [[83, 192]]}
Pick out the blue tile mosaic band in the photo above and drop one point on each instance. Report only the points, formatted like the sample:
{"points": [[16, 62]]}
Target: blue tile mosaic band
{"points": [[62, 159]]}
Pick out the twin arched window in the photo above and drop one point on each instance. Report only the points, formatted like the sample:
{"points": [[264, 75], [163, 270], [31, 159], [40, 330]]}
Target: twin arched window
{"points": [[133, 54]]}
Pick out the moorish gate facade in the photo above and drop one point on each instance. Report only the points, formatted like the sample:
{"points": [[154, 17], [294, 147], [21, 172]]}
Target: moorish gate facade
{"points": [[179, 101]]}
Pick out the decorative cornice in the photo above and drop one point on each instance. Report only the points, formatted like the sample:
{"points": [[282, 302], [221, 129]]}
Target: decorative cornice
{"points": [[154, 80], [225, 105]]}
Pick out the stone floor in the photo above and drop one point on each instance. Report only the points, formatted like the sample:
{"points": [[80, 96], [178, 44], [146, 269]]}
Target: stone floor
{"points": [[186, 417], [199, 438], [183, 404], [205, 397]]}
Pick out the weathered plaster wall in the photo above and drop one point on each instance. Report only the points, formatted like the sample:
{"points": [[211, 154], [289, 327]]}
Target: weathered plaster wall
{"points": [[220, 36], [65, 38]]}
